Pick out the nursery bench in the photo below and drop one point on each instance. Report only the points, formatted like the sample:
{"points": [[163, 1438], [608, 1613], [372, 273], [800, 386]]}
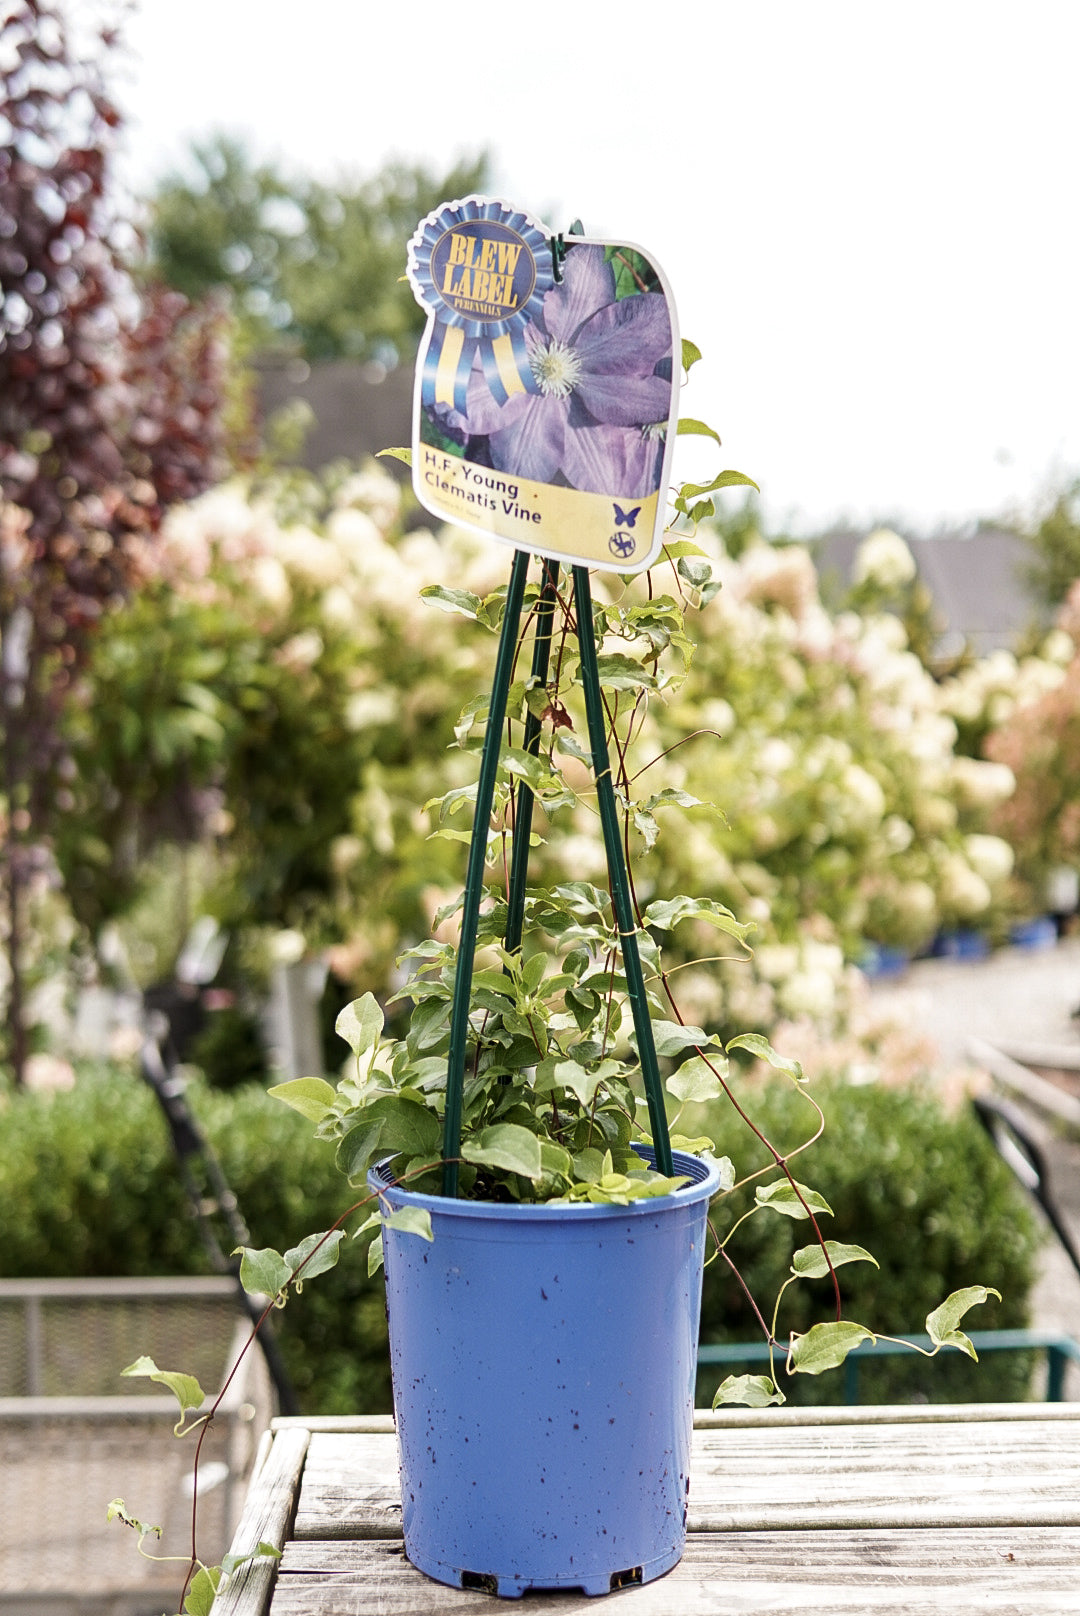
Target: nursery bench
{"points": [[904, 1509]]}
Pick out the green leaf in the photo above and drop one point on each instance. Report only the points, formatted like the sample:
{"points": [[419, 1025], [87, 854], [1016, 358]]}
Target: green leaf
{"points": [[532, 972], [688, 427], [185, 1388], [410, 1220], [672, 797], [508, 1146], [556, 1162], [619, 672], [696, 573], [671, 1038], [646, 827], [496, 982], [263, 1273], [941, 1324], [313, 1097], [725, 479], [450, 836], [315, 1254], [752, 1391], [760, 1047], [118, 1511], [409, 1129], [727, 1173], [265, 1551], [665, 913], [691, 353], [589, 1165], [462, 601], [375, 1256], [428, 1073], [202, 1591], [429, 1024], [570, 746], [471, 716], [569, 1074], [449, 803], [360, 1024], [357, 1150], [809, 1262], [825, 1346], [535, 771], [674, 549], [404, 455], [780, 1196], [696, 1080]]}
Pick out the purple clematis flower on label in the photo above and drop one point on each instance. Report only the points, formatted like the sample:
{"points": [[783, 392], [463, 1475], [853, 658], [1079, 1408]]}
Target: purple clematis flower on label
{"points": [[596, 418]]}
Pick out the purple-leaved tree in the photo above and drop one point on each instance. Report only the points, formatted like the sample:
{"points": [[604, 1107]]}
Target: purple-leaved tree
{"points": [[110, 411]]}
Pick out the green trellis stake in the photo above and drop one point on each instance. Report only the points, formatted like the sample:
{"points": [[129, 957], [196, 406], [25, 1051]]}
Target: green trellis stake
{"points": [[519, 858], [622, 906]]}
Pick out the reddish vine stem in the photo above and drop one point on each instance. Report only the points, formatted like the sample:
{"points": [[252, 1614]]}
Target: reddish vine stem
{"points": [[242, 1354], [743, 1286], [674, 747], [621, 745]]}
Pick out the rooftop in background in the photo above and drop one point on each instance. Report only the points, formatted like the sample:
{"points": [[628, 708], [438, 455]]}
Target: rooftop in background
{"points": [[358, 409], [977, 582]]}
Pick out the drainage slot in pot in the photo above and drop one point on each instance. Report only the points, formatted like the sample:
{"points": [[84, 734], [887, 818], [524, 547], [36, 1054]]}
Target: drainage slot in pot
{"points": [[626, 1579], [484, 1583]]}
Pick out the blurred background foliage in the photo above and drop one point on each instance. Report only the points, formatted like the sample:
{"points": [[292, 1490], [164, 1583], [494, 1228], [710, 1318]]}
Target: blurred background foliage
{"points": [[277, 700], [88, 1186], [311, 268]]}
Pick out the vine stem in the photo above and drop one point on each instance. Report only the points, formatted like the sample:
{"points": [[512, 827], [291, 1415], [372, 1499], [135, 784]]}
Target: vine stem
{"points": [[207, 1420]]}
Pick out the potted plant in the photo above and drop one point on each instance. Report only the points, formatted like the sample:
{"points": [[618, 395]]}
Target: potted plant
{"points": [[541, 1218]]}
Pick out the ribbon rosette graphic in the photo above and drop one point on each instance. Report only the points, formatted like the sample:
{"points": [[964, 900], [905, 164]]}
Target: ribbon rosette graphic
{"points": [[481, 269]]}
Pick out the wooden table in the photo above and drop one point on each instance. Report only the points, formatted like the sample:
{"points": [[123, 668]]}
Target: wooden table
{"points": [[932, 1510]]}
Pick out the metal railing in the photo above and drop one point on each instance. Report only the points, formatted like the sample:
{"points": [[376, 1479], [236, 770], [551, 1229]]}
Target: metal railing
{"points": [[73, 1434], [1060, 1350]]}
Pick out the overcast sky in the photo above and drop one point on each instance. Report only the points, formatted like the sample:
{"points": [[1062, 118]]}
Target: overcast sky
{"points": [[868, 213]]}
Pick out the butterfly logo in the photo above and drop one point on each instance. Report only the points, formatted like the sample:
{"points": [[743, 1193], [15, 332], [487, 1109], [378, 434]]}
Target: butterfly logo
{"points": [[629, 517]]}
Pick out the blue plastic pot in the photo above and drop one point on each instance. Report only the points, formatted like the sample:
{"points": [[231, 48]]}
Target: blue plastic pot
{"points": [[543, 1362]]}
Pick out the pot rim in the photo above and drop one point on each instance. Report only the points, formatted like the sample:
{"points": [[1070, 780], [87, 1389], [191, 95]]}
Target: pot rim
{"points": [[704, 1174]]}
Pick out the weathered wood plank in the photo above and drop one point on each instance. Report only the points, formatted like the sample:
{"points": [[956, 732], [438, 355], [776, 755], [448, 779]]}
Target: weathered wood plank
{"points": [[266, 1518], [767, 1479], [333, 1422], [350, 1487], [706, 1419], [851, 1476], [1028, 1573]]}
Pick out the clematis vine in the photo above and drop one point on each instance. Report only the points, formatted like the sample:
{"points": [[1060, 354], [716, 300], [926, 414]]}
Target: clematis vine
{"points": [[601, 370]]}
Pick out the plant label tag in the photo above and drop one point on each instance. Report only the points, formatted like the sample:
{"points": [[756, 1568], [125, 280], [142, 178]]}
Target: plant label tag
{"points": [[546, 398]]}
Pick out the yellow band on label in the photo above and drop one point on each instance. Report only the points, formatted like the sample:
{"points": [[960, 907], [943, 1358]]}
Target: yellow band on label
{"points": [[503, 349], [446, 375]]}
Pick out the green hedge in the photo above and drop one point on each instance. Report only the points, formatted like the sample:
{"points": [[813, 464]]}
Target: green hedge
{"points": [[925, 1193], [88, 1187]]}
